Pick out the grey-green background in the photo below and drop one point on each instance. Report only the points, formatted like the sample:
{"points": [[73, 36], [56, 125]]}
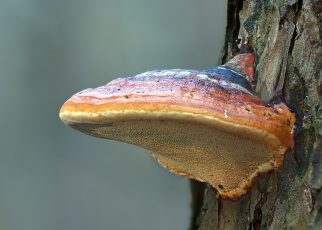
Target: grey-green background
{"points": [[54, 178]]}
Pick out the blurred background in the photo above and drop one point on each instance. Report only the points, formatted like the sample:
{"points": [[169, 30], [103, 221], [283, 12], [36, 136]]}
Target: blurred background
{"points": [[52, 177]]}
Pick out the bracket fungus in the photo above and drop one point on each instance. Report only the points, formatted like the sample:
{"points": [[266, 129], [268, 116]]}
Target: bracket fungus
{"points": [[205, 125]]}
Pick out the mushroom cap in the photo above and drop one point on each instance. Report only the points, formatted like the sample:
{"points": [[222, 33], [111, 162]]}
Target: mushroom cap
{"points": [[195, 124]]}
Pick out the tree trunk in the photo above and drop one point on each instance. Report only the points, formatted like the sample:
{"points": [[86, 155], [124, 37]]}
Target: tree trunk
{"points": [[285, 37]]}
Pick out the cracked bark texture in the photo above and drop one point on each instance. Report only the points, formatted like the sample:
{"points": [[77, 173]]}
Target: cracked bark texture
{"points": [[285, 36]]}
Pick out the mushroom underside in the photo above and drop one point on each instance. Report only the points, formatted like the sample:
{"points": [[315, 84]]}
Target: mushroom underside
{"points": [[227, 157]]}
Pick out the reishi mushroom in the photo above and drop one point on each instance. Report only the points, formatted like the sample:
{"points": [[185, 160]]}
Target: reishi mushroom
{"points": [[204, 125]]}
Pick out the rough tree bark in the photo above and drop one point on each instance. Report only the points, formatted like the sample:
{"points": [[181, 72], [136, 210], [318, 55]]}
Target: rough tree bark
{"points": [[285, 36]]}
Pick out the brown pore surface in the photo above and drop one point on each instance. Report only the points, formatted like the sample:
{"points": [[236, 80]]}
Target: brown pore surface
{"points": [[226, 160]]}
